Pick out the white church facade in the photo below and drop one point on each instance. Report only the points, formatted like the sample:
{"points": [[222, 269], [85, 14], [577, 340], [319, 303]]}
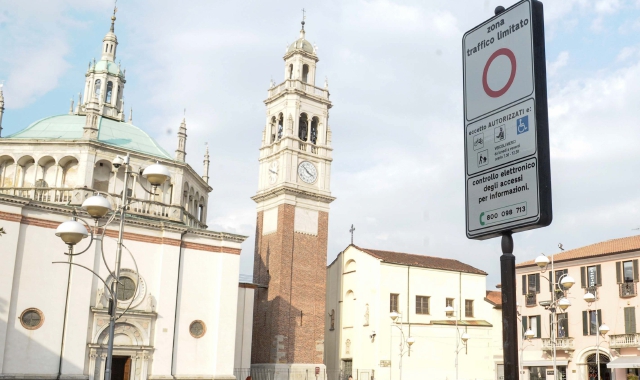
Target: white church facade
{"points": [[366, 286], [181, 291]]}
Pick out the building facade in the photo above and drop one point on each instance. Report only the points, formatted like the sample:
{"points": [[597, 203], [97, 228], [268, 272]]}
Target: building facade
{"points": [[364, 286], [180, 293], [292, 223], [608, 270]]}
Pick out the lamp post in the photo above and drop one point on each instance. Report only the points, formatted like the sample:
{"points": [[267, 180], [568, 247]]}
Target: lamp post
{"points": [[563, 284], [527, 335], [602, 329], [405, 342], [72, 232], [464, 337]]}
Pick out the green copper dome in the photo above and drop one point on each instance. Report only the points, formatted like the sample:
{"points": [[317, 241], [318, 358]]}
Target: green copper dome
{"points": [[116, 133], [108, 66], [301, 44]]}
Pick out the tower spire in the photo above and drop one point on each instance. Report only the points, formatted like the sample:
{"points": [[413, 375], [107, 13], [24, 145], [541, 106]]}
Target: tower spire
{"points": [[110, 41], [182, 140], [1, 106], [206, 164]]}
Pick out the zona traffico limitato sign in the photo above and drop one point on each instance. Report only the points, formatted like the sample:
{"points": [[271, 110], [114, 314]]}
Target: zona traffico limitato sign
{"points": [[506, 129]]}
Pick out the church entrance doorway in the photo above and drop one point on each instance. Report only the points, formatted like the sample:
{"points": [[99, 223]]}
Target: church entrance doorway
{"points": [[121, 368]]}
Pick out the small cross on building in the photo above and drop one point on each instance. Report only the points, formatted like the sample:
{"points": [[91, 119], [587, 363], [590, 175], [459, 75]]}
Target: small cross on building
{"points": [[352, 229]]}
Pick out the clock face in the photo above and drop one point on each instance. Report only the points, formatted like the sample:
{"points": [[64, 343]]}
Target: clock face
{"points": [[273, 172], [307, 172]]}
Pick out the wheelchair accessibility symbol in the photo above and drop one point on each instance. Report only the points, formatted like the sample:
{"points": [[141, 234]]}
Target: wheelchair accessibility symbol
{"points": [[522, 124]]}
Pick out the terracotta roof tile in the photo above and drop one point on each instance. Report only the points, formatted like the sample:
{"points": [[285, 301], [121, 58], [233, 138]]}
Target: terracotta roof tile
{"points": [[422, 261], [621, 245], [495, 297]]}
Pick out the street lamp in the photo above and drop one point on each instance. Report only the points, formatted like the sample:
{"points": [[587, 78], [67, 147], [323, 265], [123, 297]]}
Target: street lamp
{"points": [[464, 337], [562, 284], [405, 342], [602, 330], [72, 232]]}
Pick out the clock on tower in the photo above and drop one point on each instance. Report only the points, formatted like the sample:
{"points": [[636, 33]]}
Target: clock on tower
{"points": [[293, 215]]}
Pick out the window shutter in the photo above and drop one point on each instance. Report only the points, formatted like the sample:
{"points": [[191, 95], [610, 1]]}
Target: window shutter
{"points": [[524, 324], [537, 282], [599, 320], [585, 323], [598, 275], [551, 325], [630, 320], [551, 282], [565, 324], [538, 335], [583, 277], [635, 270], [524, 284], [619, 272]]}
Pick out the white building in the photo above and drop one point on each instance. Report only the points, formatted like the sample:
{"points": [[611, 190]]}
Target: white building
{"points": [[53, 317], [609, 270], [364, 286]]}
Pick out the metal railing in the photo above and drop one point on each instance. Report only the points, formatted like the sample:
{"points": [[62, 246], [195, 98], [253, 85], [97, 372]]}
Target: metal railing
{"points": [[295, 84], [561, 344], [75, 196], [530, 299], [593, 290], [628, 289], [301, 374], [624, 340]]}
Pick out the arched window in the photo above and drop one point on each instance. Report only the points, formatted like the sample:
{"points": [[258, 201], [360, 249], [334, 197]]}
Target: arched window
{"points": [[272, 129], [351, 266], [106, 46], [305, 73], [96, 88], [291, 71], [314, 130], [107, 98], [349, 309], [102, 175], [280, 121], [303, 127]]}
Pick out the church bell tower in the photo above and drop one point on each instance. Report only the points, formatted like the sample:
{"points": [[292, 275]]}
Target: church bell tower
{"points": [[293, 216]]}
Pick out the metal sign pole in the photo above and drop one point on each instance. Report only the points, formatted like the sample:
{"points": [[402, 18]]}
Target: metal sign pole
{"points": [[509, 311]]}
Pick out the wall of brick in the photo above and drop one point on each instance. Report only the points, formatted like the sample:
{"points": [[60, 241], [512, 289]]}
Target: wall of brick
{"points": [[289, 314]]}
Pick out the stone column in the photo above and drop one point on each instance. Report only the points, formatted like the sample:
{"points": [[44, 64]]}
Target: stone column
{"points": [[145, 365], [92, 364], [103, 365]]}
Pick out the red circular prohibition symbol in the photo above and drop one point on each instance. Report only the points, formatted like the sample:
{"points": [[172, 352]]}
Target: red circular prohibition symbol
{"points": [[496, 54]]}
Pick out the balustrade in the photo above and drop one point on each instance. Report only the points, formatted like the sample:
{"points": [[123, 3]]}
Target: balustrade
{"points": [[76, 196], [561, 344], [295, 84], [624, 340]]}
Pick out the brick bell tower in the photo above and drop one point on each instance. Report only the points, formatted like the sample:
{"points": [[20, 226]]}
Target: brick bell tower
{"points": [[293, 215]]}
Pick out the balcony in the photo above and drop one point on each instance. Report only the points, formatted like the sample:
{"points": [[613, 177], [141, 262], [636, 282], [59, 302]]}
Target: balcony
{"points": [[75, 197], [628, 289], [294, 84], [530, 299], [593, 290], [565, 344], [624, 340]]}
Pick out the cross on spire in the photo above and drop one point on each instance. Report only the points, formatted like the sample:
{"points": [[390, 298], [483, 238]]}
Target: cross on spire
{"points": [[352, 229], [303, 18]]}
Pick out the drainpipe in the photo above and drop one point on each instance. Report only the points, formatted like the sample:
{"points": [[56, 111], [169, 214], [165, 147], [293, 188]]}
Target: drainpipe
{"points": [[175, 315], [64, 319]]}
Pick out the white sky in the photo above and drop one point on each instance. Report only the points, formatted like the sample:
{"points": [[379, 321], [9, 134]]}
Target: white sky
{"points": [[394, 70]]}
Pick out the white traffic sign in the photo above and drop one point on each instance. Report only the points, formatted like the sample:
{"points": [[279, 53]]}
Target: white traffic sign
{"points": [[498, 62], [508, 181]]}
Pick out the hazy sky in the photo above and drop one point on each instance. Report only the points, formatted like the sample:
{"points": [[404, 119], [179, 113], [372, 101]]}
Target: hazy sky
{"points": [[395, 77]]}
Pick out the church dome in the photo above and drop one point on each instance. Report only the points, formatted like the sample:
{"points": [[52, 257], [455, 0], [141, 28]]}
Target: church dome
{"points": [[115, 133], [108, 66], [301, 44]]}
